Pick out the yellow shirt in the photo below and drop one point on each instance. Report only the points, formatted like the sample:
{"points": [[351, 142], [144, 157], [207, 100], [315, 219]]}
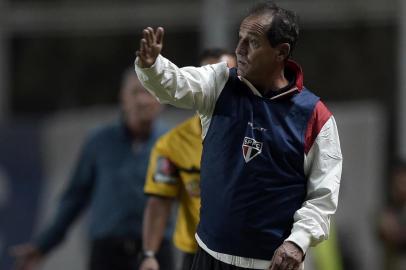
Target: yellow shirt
{"points": [[174, 171]]}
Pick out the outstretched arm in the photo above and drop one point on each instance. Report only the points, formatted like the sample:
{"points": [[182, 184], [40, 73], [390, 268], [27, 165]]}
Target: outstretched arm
{"points": [[74, 199]]}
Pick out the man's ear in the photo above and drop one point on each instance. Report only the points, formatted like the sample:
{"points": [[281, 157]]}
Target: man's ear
{"points": [[283, 51]]}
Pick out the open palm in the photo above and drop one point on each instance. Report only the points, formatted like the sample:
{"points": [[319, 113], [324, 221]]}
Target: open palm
{"points": [[150, 46]]}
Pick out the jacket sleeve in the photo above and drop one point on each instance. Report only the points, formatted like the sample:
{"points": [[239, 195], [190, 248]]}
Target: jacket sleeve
{"points": [[323, 165], [189, 87]]}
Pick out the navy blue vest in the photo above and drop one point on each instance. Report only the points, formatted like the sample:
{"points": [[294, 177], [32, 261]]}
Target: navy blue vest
{"points": [[252, 175]]}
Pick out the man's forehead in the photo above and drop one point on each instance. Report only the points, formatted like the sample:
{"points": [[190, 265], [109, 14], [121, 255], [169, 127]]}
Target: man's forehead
{"points": [[256, 25]]}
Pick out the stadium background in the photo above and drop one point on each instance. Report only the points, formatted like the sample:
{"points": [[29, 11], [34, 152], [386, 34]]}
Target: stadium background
{"points": [[60, 66]]}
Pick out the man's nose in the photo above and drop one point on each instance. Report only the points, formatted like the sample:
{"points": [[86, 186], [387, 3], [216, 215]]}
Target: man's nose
{"points": [[241, 49]]}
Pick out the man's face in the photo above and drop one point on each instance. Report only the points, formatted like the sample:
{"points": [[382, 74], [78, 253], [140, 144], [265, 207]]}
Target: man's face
{"points": [[139, 107], [256, 58]]}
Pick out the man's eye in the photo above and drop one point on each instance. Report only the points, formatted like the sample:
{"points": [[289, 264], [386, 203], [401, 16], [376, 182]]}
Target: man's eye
{"points": [[254, 42]]}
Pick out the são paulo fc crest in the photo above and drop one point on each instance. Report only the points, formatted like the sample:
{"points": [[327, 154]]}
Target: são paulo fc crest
{"points": [[251, 148]]}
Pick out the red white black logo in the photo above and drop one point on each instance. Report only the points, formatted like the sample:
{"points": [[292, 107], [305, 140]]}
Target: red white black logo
{"points": [[250, 149]]}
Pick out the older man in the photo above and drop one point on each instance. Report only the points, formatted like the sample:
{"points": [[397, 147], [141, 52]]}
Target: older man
{"points": [[271, 163], [109, 179]]}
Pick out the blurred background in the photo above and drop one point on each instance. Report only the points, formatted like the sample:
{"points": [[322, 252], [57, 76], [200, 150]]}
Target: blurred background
{"points": [[60, 71]]}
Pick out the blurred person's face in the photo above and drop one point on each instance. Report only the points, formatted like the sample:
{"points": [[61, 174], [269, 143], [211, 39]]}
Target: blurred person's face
{"points": [[140, 109], [256, 58], [229, 59], [209, 61]]}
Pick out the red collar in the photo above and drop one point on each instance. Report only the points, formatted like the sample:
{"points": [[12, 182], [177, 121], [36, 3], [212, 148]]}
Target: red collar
{"points": [[297, 70]]}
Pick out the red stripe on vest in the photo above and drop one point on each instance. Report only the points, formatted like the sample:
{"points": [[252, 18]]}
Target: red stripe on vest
{"points": [[319, 117]]}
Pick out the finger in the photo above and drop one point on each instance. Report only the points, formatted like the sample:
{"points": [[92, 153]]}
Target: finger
{"points": [[159, 35], [291, 260], [285, 266], [148, 38], [143, 47], [145, 35], [151, 35], [296, 265], [272, 266], [294, 262], [276, 261]]}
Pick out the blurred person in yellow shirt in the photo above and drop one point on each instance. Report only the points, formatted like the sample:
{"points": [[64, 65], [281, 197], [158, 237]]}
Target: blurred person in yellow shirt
{"points": [[174, 174]]}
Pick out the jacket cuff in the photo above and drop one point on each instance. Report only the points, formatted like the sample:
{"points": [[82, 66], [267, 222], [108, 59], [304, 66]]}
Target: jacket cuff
{"points": [[300, 238], [153, 71]]}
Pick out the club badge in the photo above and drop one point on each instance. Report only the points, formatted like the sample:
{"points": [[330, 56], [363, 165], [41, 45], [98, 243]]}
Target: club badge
{"points": [[250, 149], [165, 172]]}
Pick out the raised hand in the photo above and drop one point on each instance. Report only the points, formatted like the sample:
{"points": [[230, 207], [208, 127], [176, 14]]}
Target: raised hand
{"points": [[150, 46], [287, 257]]}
